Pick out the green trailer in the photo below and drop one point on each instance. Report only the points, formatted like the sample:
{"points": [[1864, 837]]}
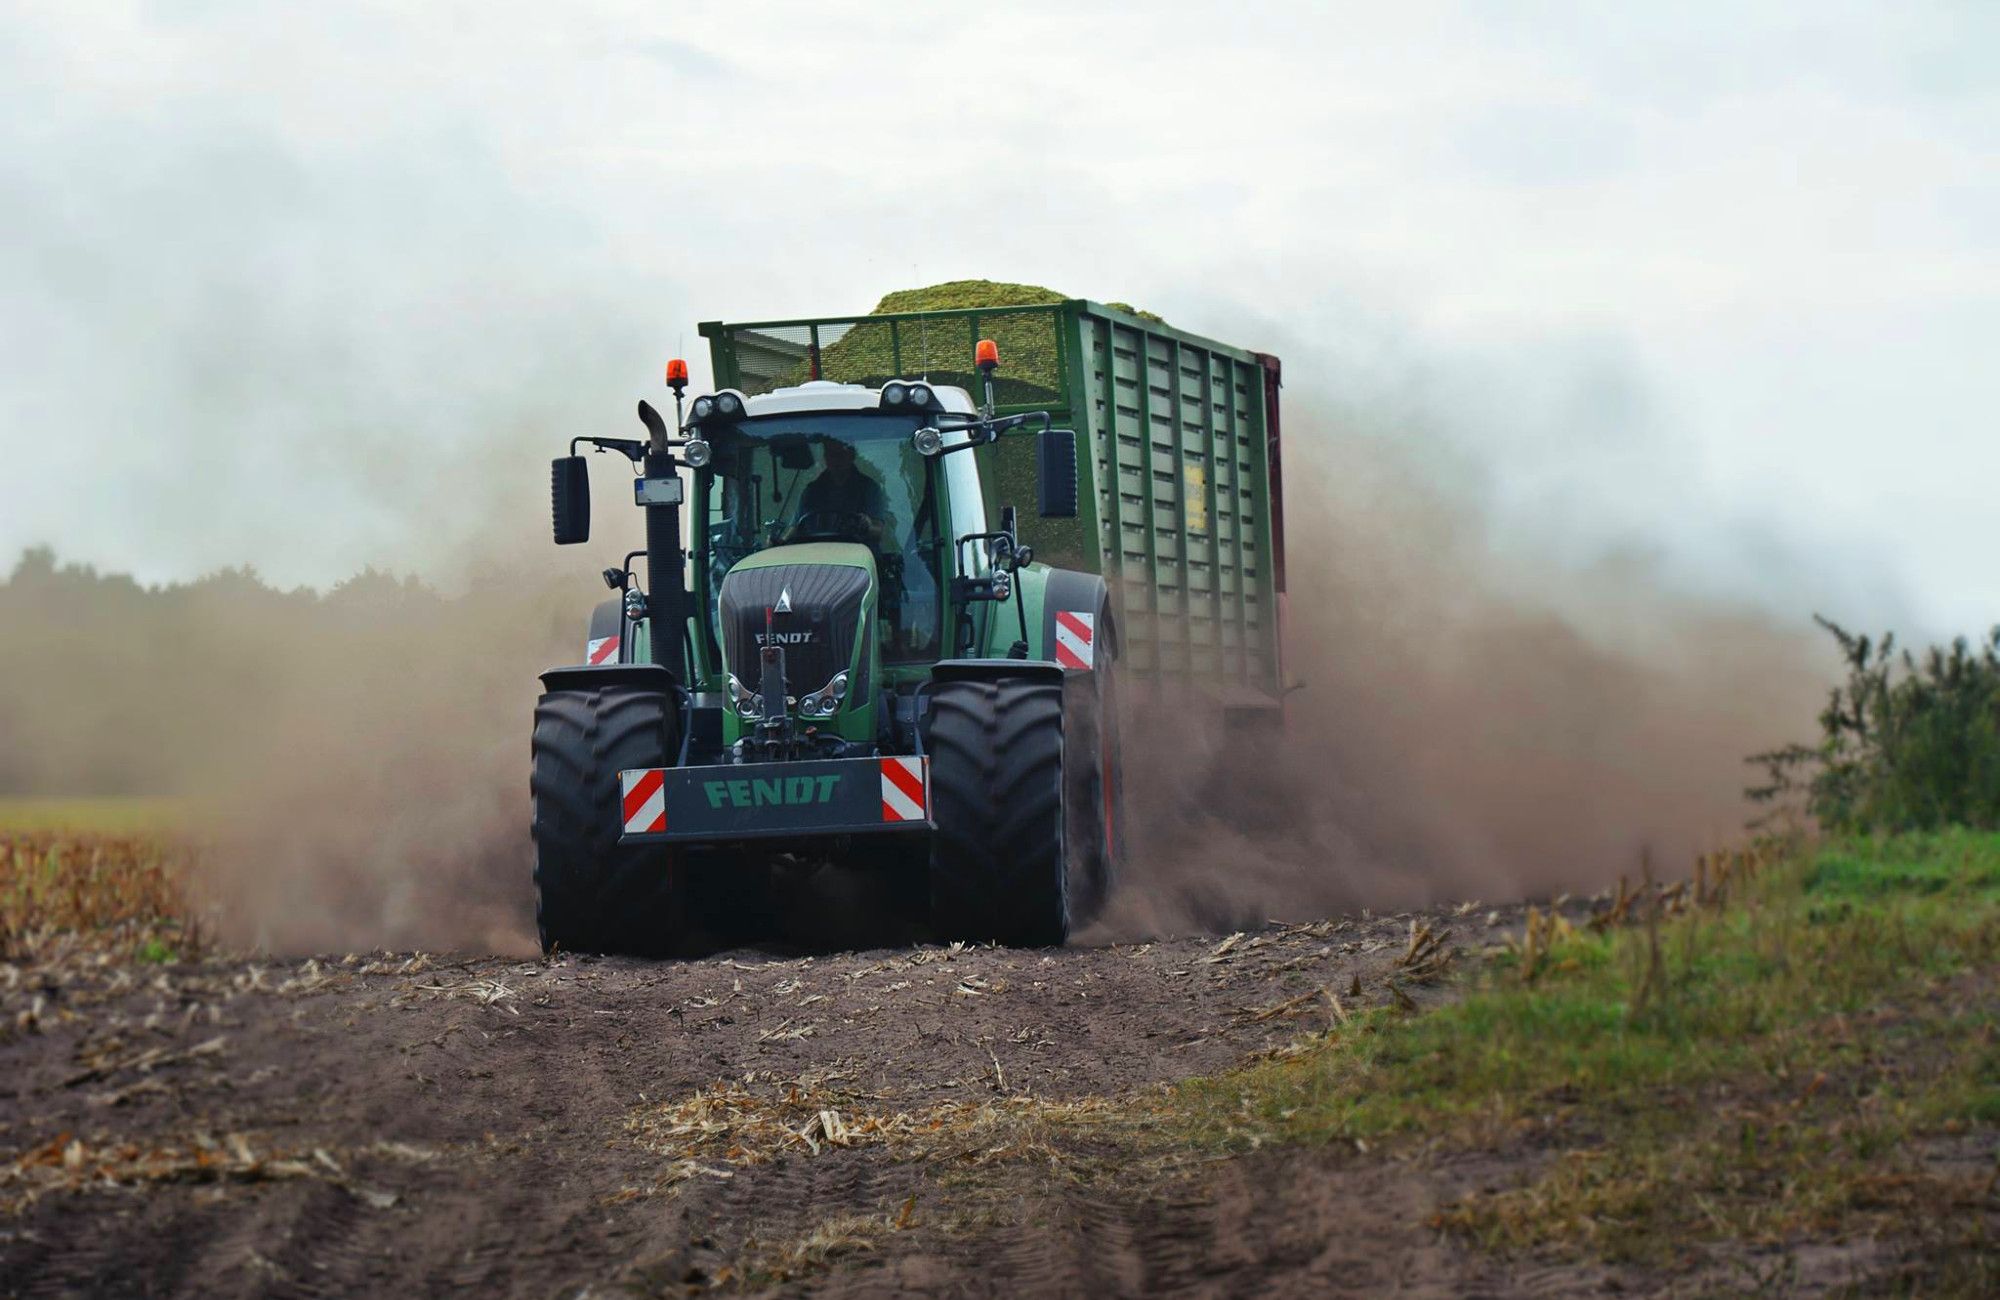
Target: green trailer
{"points": [[933, 558]]}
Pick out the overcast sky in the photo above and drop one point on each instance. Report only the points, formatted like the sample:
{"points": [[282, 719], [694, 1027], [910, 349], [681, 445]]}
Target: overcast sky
{"points": [[1718, 284]]}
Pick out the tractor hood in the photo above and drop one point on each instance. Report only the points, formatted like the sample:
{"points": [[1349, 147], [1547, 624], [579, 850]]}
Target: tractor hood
{"points": [[814, 599]]}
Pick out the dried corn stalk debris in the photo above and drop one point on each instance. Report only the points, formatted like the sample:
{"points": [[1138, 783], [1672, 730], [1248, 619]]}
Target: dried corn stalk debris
{"points": [[67, 1165], [730, 1125], [1426, 954]]}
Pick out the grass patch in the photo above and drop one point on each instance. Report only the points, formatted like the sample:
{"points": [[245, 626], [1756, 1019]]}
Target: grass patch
{"points": [[1810, 1049], [1959, 864]]}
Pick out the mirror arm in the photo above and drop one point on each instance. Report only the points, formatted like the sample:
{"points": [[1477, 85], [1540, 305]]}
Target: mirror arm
{"points": [[1021, 609], [631, 449], [963, 446], [630, 575], [984, 433]]}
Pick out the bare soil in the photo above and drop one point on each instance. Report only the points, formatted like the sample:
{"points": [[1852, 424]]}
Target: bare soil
{"points": [[413, 1124]]}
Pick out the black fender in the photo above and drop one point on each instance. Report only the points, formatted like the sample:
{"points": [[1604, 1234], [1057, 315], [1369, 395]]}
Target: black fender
{"points": [[608, 619], [582, 677], [987, 670], [1070, 590]]}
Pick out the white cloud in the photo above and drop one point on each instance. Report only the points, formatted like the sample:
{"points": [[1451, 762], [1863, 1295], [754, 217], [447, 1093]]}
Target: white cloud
{"points": [[1748, 248]]}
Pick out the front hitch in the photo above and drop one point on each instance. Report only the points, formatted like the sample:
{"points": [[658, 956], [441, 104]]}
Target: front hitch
{"points": [[774, 727]]}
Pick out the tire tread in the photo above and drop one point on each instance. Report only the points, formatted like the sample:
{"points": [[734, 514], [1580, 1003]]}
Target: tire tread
{"points": [[999, 868], [591, 893]]}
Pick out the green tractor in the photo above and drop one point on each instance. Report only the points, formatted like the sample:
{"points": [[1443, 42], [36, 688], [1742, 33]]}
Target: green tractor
{"points": [[857, 657]]}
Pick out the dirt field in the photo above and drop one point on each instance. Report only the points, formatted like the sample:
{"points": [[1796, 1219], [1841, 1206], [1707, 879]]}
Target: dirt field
{"points": [[899, 1121], [399, 1124]]}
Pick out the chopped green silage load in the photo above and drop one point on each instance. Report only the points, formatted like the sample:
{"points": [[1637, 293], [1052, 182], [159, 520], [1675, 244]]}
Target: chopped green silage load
{"points": [[872, 353], [977, 295]]}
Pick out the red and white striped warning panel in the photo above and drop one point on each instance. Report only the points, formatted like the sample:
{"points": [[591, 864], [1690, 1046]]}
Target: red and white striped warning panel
{"points": [[601, 650], [1076, 638], [809, 798], [905, 789], [645, 792]]}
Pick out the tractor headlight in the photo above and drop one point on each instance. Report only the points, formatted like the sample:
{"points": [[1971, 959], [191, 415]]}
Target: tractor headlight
{"points": [[703, 408], [728, 405], [920, 394], [825, 702], [1003, 586], [696, 452], [928, 441], [895, 394]]}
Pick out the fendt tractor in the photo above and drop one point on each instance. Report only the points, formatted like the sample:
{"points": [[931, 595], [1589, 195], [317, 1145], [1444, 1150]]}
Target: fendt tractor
{"points": [[863, 654]]}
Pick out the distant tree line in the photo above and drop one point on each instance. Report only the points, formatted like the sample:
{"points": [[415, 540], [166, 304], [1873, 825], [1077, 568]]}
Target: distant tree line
{"points": [[109, 686]]}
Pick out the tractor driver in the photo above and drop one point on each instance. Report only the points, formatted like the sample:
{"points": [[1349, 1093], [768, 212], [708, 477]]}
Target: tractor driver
{"points": [[842, 490]]}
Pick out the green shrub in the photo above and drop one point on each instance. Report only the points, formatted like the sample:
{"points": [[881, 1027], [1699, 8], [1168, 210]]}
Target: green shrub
{"points": [[1907, 743]]}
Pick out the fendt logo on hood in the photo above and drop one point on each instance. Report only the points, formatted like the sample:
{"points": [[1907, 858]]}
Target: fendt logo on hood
{"points": [[784, 606]]}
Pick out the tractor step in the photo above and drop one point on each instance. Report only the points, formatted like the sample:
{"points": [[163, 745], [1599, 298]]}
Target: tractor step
{"points": [[742, 801]]}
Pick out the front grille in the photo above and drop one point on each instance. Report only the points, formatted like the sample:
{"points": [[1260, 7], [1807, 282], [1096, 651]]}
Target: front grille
{"points": [[817, 634]]}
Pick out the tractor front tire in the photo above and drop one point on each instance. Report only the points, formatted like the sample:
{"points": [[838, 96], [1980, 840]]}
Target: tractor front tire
{"points": [[1004, 865], [592, 894]]}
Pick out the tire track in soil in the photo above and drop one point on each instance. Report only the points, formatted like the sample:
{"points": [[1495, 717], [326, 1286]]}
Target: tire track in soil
{"points": [[1297, 1224], [503, 1089]]}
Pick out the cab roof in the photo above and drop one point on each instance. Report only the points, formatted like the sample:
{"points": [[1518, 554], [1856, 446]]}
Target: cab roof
{"points": [[825, 395]]}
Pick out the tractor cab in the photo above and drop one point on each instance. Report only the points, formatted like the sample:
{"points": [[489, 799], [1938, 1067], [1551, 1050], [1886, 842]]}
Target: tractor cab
{"points": [[823, 530], [828, 464]]}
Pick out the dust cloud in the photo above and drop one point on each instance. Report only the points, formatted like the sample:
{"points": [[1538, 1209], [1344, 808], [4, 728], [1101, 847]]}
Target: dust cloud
{"points": [[378, 797], [354, 763], [1469, 725], [357, 760]]}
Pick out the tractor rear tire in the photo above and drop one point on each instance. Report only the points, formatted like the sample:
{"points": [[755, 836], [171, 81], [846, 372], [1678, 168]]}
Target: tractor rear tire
{"points": [[592, 894], [1004, 860]]}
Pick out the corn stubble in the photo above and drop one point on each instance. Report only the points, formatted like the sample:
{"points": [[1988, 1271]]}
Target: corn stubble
{"points": [[65, 894]]}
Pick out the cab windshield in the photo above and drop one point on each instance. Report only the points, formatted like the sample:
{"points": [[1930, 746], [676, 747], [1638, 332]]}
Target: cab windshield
{"points": [[778, 480]]}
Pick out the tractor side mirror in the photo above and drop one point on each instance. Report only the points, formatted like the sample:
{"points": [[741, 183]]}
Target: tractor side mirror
{"points": [[569, 499], [1055, 473]]}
